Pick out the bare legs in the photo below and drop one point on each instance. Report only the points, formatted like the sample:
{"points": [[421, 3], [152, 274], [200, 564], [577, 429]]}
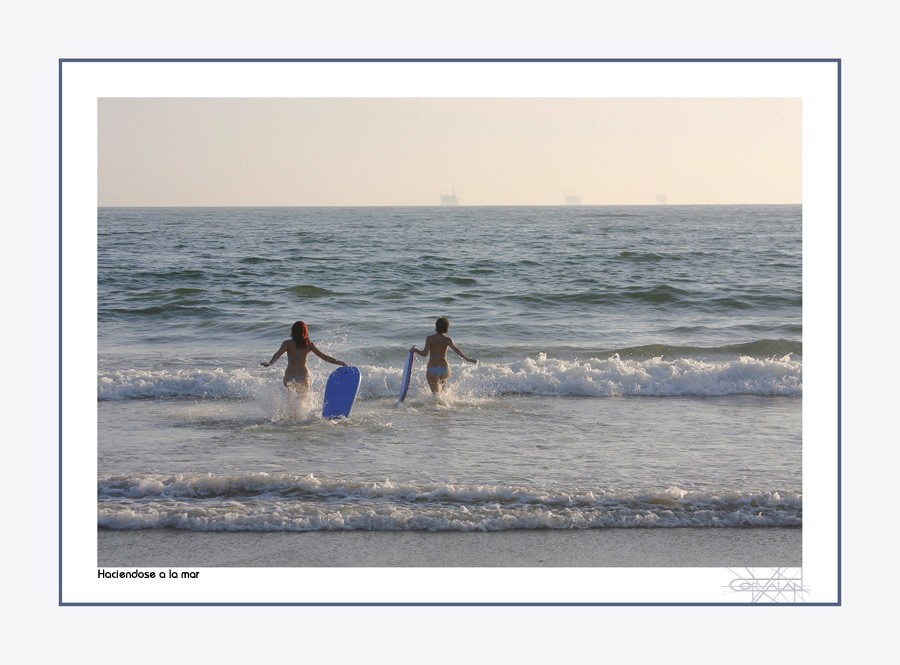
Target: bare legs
{"points": [[435, 383], [297, 393], [437, 378]]}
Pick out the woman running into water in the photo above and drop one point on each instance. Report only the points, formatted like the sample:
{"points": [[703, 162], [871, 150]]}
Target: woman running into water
{"points": [[296, 376], [436, 346]]}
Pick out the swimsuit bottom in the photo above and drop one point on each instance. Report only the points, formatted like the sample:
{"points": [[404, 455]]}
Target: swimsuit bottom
{"points": [[439, 372]]}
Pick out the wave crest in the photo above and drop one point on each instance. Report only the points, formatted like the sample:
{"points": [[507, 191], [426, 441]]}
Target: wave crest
{"points": [[290, 502], [615, 376]]}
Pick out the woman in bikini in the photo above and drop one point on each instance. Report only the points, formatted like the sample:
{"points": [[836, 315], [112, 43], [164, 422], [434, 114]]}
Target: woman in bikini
{"points": [[436, 345], [296, 376]]}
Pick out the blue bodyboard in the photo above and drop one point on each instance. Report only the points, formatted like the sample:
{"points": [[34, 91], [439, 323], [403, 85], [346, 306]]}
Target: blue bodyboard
{"points": [[340, 392], [407, 373]]}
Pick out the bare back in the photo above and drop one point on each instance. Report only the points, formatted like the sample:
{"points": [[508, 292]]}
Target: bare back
{"points": [[297, 369], [297, 373], [436, 346]]}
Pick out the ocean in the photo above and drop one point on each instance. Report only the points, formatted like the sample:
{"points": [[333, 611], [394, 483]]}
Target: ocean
{"points": [[640, 367]]}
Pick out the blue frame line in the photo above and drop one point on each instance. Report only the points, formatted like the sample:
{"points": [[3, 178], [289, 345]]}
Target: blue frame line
{"points": [[839, 341], [60, 329]]}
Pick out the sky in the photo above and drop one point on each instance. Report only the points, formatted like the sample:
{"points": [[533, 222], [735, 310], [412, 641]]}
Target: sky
{"points": [[410, 151]]}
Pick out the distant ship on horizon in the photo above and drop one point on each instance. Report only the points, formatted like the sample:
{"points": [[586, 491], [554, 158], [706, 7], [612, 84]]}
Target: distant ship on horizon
{"points": [[573, 200], [450, 199], [662, 198]]}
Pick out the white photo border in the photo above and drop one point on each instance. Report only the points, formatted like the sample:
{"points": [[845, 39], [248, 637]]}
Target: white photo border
{"points": [[83, 82]]}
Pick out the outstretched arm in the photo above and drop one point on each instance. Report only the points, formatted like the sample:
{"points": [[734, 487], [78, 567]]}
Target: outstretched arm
{"points": [[325, 357], [278, 354], [462, 355]]}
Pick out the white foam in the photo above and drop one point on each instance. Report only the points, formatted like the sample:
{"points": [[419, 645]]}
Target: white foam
{"points": [[288, 502], [141, 383], [540, 375]]}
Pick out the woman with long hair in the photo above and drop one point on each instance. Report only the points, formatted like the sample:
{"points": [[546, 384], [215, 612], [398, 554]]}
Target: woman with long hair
{"points": [[298, 347]]}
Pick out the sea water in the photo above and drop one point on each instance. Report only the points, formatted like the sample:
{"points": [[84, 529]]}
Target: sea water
{"points": [[639, 366]]}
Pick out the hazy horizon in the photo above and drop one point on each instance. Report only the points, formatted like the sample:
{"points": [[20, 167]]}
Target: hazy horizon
{"points": [[461, 205], [408, 152]]}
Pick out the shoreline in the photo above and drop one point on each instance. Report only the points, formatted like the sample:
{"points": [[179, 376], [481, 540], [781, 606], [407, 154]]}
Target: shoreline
{"points": [[617, 548]]}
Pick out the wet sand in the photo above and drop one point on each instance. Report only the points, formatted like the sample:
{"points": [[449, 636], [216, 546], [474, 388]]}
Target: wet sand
{"points": [[658, 548]]}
